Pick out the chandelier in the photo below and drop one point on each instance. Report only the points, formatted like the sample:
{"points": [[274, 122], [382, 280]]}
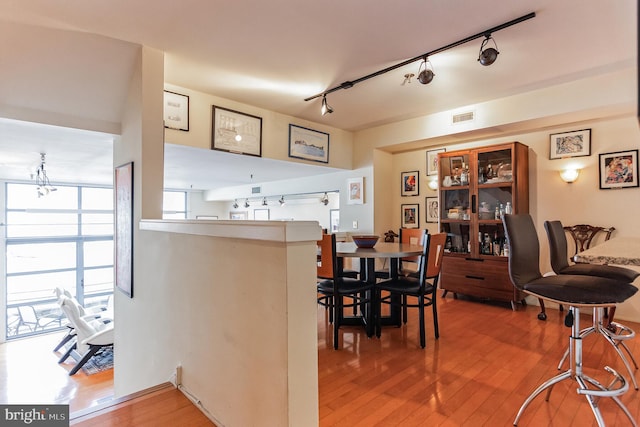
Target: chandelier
{"points": [[43, 185]]}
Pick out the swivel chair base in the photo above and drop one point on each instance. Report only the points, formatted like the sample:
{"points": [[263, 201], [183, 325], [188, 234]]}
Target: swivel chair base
{"points": [[575, 372], [616, 336]]}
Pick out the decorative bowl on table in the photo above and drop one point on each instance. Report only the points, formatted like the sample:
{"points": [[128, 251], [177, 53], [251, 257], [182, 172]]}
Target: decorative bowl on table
{"points": [[367, 241]]}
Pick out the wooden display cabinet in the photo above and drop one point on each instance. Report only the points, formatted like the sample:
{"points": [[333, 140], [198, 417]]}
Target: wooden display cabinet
{"points": [[473, 183]]}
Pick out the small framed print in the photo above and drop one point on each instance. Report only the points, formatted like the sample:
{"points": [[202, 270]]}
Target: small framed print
{"points": [[432, 209], [176, 111], [238, 215], [410, 216], [410, 183], [570, 144], [308, 144], [261, 214], [355, 191], [619, 170], [123, 236], [432, 160]]}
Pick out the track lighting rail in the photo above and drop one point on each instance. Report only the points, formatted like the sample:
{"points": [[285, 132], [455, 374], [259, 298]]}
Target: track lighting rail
{"points": [[486, 33]]}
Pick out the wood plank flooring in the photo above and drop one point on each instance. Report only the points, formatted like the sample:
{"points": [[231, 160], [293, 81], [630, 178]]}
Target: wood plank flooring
{"points": [[486, 362]]}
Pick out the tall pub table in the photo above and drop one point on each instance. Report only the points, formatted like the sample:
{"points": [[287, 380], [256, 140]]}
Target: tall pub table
{"points": [[391, 250]]}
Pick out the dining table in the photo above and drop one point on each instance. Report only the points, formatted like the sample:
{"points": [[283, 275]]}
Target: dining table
{"points": [[616, 251], [393, 251]]}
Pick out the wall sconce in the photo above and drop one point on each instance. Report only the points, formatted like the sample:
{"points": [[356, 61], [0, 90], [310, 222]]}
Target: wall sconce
{"points": [[433, 184], [569, 175]]}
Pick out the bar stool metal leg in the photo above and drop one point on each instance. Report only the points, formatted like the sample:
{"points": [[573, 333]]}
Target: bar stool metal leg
{"points": [[616, 339], [575, 372]]}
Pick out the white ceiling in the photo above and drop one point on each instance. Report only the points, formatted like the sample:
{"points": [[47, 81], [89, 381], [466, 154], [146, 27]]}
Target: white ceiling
{"points": [[273, 55]]}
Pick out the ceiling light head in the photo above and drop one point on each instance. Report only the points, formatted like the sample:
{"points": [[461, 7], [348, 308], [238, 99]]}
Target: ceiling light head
{"points": [[324, 199], [489, 55], [43, 186], [281, 201], [235, 204], [246, 203], [325, 107], [425, 75], [264, 201]]}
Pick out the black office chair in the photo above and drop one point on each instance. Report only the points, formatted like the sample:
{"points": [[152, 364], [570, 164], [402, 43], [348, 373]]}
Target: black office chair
{"points": [[576, 291], [615, 333], [335, 287], [423, 287]]}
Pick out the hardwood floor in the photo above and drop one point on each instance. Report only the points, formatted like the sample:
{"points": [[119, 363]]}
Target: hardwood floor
{"points": [[30, 373], [486, 362]]}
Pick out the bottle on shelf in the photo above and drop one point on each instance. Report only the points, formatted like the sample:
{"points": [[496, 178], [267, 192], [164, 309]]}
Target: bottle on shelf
{"points": [[508, 209]]}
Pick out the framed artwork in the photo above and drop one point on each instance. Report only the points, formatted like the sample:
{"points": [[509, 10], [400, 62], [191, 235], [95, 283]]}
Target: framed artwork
{"points": [[123, 238], [176, 111], [570, 144], [410, 216], [619, 170], [410, 183], [456, 163], [236, 132], [432, 160], [432, 209], [308, 144], [261, 214], [238, 215], [334, 220], [355, 191]]}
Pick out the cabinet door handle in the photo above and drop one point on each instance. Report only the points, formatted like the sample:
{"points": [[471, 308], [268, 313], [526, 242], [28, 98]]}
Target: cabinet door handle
{"points": [[475, 277], [474, 259], [473, 203]]}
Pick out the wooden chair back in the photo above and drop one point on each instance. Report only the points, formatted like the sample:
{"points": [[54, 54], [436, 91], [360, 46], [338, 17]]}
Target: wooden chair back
{"points": [[413, 236], [327, 259], [583, 234], [436, 253]]}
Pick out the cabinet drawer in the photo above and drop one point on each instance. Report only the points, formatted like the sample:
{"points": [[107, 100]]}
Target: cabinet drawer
{"points": [[484, 278]]}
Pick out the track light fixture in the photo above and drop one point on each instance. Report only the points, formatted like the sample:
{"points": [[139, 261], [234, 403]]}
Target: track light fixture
{"points": [[264, 201], [486, 57], [281, 201], [235, 204], [426, 75], [489, 55], [325, 107], [246, 203], [324, 199]]}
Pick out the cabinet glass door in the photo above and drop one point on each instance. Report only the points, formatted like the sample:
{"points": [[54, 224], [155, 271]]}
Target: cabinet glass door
{"points": [[455, 202]]}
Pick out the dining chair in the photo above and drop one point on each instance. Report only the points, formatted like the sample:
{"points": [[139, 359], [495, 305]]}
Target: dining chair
{"points": [[576, 291], [410, 236], [334, 288], [423, 287]]}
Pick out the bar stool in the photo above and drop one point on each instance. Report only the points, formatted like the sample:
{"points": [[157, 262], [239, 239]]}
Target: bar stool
{"points": [[575, 291]]}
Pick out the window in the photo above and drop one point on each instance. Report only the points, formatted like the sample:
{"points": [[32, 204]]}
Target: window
{"points": [[174, 205], [64, 239]]}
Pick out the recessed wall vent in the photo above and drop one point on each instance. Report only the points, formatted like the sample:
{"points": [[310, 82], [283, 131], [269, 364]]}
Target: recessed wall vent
{"points": [[256, 190], [462, 117]]}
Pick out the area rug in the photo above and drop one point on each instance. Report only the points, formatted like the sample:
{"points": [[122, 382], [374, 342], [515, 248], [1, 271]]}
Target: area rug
{"points": [[99, 362]]}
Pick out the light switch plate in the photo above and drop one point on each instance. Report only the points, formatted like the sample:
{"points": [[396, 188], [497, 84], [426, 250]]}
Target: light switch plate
{"points": [[355, 224]]}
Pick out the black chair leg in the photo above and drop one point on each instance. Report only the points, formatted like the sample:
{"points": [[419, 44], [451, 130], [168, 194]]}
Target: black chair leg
{"points": [[65, 340], [543, 314], [92, 350], [68, 353], [423, 340], [436, 329]]}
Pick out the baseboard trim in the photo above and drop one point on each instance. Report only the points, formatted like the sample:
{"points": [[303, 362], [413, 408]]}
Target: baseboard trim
{"points": [[94, 411]]}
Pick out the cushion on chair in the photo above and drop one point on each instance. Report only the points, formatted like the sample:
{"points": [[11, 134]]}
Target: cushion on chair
{"points": [[609, 271], [405, 285], [581, 290], [346, 285]]}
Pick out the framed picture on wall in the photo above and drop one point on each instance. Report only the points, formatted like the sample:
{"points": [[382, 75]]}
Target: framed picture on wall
{"points": [[410, 215], [123, 238], [176, 111], [619, 170], [236, 132], [431, 208], [410, 183], [432, 160], [308, 144], [355, 191], [576, 143]]}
